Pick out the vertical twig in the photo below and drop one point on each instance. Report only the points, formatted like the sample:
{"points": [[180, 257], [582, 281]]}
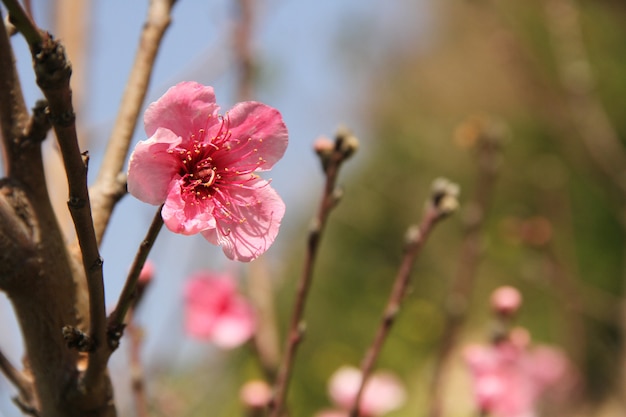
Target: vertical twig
{"points": [[110, 185], [332, 158], [487, 137], [53, 74], [20, 381], [128, 295], [135, 335], [243, 50], [444, 201], [587, 111], [265, 339]]}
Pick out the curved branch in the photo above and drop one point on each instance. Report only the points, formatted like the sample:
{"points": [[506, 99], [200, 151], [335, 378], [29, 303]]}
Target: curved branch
{"points": [[110, 186]]}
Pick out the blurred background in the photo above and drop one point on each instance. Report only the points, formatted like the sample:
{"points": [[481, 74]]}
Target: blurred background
{"points": [[519, 102]]}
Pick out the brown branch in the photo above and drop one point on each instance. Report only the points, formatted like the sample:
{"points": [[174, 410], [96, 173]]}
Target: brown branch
{"points": [[53, 73], [13, 113], [444, 201], [243, 50], [135, 335], [586, 109], [265, 341], [332, 157], [23, 22], [23, 384], [115, 326], [110, 186], [487, 137]]}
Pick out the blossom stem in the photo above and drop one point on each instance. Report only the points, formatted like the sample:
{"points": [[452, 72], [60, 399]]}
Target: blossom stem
{"points": [[296, 326], [53, 73], [415, 238], [17, 378], [488, 152], [22, 21], [245, 61], [136, 369], [110, 184], [115, 326]]}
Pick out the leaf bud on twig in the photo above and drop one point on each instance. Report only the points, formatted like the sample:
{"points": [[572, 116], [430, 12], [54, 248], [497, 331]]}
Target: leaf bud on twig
{"points": [[445, 196]]}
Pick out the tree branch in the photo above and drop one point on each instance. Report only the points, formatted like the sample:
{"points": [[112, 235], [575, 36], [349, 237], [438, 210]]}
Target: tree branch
{"points": [[487, 138], [24, 385], [115, 326], [443, 202], [332, 157], [110, 186]]}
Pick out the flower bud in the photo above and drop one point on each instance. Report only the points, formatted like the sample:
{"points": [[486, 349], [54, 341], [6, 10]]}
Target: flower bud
{"points": [[255, 394], [505, 301], [445, 196], [346, 142]]}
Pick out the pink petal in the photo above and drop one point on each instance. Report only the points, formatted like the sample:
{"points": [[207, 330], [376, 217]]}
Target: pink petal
{"points": [[259, 136], [206, 294], [214, 311], [343, 386], [383, 393], [235, 326], [151, 169], [262, 208], [184, 109], [182, 217]]}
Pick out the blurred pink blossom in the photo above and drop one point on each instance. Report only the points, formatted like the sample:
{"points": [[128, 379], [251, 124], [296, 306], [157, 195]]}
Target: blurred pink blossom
{"points": [[147, 272], [255, 394], [214, 311], [331, 413], [383, 391], [203, 166], [509, 378], [506, 300]]}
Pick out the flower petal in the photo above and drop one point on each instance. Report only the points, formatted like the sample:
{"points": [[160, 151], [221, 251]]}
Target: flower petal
{"points": [[184, 216], [184, 109], [236, 324], [151, 169], [259, 136], [262, 210]]}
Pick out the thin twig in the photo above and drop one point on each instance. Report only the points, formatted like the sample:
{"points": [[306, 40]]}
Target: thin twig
{"points": [[19, 380], [588, 114], [243, 50], [441, 205], [135, 336], [23, 22], [110, 186], [344, 146], [265, 344], [53, 73], [487, 141], [138, 387], [127, 297]]}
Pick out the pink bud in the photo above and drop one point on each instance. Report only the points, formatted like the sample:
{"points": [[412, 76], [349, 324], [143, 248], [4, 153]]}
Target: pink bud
{"points": [[506, 301], [383, 391], [323, 145], [255, 394], [216, 312], [147, 272]]}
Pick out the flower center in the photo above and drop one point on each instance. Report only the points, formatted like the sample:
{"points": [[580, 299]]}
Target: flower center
{"points": [[206, 174]]}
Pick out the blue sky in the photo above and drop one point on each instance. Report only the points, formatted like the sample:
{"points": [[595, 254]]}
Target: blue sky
{"points": [[315, 58]]}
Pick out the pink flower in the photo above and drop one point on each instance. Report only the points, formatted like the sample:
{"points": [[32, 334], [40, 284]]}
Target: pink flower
{"points": [[214, 310], [203, 167], [383, 391], [509, 379], [147, 272], [255, 394], [331, 413], [506, 300]]}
